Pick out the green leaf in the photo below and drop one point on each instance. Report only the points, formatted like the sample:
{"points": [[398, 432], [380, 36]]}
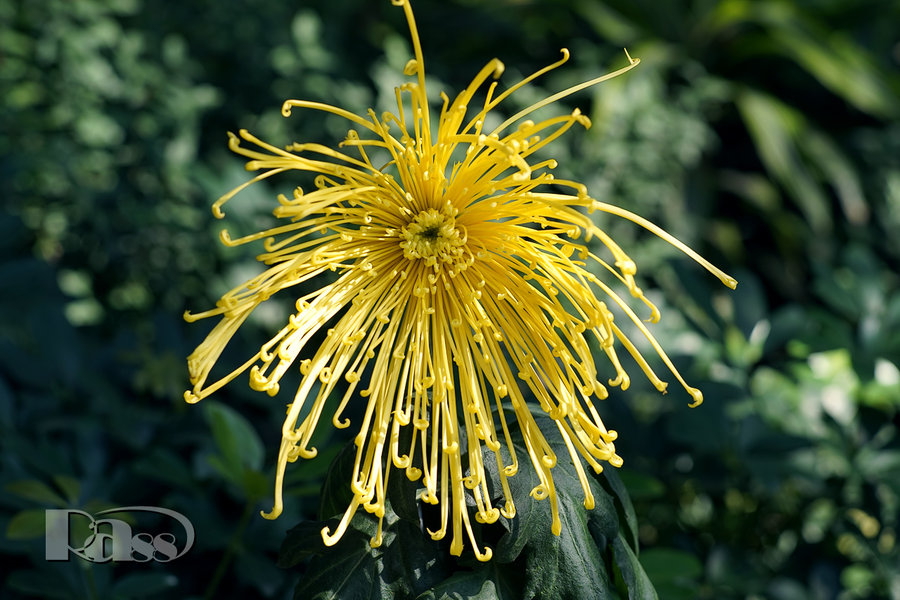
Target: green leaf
{"points": [[574, 565], [818, 520], [536, 514], [669, 563], [567, 567], [336, 494], [70, 486], [403, 493], [409, 562], [641, 486], [778, 130], [879, 464], [613, 483], [255, 483], [750, 305], [630, 572], [302, 542], [840, 65], [237, 440], [570, 565], [858, 578], [488, 582], [414, 563], [831, 56], [837, 168], [26, 525], [673, 572], [36, 491], [348, 571]]}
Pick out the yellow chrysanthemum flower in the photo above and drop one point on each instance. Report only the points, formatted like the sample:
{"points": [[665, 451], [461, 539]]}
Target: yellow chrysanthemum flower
{"points": [[458, 289]]}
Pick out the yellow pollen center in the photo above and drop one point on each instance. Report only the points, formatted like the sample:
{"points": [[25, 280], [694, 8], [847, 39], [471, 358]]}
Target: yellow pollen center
{"points": [[433, 236]]}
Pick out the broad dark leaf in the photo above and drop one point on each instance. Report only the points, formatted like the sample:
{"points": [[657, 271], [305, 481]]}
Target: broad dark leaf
{"points": [[582, 562], [413, 562], [236, 438], [302, 542], [630, 572], [348, 571], [488, 582]]}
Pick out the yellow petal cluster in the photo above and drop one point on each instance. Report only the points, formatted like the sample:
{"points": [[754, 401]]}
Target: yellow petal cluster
{"points": [[453, 289]]}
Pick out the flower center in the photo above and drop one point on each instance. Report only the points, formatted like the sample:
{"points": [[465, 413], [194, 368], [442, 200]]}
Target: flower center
{"points": [[433, 236]]}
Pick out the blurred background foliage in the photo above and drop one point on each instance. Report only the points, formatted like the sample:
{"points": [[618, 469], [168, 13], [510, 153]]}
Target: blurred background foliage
{"points": [[764, 133]]}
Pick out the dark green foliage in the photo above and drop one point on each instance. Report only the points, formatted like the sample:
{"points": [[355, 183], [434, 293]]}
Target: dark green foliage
{"points": [[763, 133], [594, 557]]}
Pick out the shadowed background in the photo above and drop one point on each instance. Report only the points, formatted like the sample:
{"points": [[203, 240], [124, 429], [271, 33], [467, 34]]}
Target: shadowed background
{"points": [[764, 134]]}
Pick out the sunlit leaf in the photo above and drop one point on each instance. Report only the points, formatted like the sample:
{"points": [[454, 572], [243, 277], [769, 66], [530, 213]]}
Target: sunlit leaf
{"points": [[35, 491], [235, 437], [776, 129], [26, 525]]}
